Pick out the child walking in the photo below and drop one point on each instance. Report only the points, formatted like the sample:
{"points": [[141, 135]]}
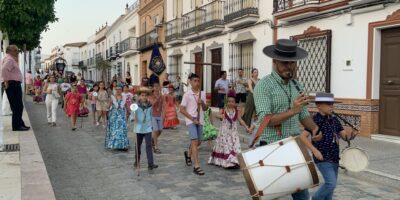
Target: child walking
{"points": [[143, 128], [128, 97], [326, 151], [102, 101], [71, 105], [210, 132], [171, 118], [157, 116], [227, 144], [192, 107], [92, 99]]}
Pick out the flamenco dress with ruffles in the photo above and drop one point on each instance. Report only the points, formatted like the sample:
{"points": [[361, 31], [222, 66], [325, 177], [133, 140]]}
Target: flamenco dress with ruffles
{"points": [[227, 144], [117, 131], [171, 118], [209, 131]]}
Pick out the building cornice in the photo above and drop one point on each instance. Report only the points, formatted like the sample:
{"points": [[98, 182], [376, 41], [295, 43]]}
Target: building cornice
{"points": [[148, 6]]}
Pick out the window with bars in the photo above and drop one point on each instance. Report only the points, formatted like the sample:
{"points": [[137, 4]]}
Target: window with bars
{"points": [[175, 68], [240, 56], [314, 71]]}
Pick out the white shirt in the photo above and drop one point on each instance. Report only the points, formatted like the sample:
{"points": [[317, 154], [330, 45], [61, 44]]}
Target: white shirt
{"points": [[189, 101]]}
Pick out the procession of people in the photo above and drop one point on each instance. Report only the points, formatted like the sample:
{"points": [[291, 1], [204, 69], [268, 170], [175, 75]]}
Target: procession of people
{"points": [[277, 98]]}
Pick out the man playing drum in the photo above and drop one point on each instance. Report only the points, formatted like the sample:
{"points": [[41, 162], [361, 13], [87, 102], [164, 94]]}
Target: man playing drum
{"points": [[280, 97]]}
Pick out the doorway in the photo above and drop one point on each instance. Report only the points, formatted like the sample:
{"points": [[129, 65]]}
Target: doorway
{"points": [[389, 92], [216, 57]]}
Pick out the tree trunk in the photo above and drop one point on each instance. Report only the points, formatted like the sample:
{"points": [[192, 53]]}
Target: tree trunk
{"points": [[30, 60]]}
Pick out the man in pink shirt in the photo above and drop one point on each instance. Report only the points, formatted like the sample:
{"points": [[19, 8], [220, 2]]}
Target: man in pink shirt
{"points": [[12, 77], [193, 107]]}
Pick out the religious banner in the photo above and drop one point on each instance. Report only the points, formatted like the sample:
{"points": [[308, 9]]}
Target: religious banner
{"points": [[156, 63]]}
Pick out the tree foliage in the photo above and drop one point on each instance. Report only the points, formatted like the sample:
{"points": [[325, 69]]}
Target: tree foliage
{"points": [[103, 66], [24, 21]]}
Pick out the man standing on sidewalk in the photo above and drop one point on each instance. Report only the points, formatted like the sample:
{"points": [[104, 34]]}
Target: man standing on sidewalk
{"points": [[222, 86], [12, 78], [240, 89]]}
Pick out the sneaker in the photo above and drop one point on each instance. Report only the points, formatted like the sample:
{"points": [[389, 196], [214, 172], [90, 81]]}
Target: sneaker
{"points": [[97, 123], [153, 166], [53, 124]]}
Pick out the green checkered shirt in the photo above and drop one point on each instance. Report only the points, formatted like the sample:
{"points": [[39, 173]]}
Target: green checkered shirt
{"points": [[270, 98]]}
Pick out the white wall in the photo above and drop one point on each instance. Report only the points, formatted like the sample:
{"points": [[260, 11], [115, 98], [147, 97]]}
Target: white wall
{"points": [[349, 42]]}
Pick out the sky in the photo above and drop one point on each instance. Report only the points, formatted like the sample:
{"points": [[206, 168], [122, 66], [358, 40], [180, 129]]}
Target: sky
{"points": [[79, 19]]}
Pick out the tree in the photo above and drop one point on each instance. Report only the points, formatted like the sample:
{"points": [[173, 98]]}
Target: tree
{"points": [[103, 66], [24, 21]]}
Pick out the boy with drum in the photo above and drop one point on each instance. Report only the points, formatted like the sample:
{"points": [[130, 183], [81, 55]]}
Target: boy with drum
{"points": [[326, 151]]}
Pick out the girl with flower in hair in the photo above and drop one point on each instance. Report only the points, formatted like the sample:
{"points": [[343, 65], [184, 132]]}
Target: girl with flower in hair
{"points": [[227, 144]]}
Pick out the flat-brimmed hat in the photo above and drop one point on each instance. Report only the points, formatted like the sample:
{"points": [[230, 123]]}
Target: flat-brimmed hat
{"points": [[285, 50], [143, 90], [323, 97]]}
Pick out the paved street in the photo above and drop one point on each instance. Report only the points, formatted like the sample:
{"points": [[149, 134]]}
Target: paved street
{"points": [[80, 168]]}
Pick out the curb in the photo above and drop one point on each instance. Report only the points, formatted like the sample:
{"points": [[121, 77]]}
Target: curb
{"points": [[35, 182]]}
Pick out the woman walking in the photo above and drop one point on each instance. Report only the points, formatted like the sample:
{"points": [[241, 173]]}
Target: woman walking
{"points": [[53, 94], [117, 131], [250, 108]]}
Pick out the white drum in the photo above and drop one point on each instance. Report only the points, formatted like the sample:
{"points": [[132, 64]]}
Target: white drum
{"points": [[278, 169], [354, 159]]}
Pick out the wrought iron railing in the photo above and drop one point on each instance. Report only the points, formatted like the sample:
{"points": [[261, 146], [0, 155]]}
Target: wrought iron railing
{"points": [[91, 61], [281, 5], [203, 18], [147, 40], [235, 9], [129, 43], [99, 57], [314, 72], [173, 30]]}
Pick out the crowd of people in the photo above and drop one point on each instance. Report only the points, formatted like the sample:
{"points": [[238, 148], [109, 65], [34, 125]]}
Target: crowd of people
{"points": [[242, 101]]}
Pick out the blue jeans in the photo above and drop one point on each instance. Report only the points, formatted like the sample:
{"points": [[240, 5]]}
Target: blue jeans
{"points": [[330, 173], [302, 195]]}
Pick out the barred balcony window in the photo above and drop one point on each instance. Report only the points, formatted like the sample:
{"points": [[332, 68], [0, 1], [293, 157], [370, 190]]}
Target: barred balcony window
{"points": [[314, 71], [282, 5], [240, 56], [238, 9]]}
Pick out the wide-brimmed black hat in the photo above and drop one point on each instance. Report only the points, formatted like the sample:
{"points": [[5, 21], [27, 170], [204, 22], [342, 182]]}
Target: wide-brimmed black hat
{"points": [[285, 50], [323, 97]]}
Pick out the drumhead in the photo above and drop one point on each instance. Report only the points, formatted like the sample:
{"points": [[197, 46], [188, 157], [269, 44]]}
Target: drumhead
{"points": [[354, 159]]}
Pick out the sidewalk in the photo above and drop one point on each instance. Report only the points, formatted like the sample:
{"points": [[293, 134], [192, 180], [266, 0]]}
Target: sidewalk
{"points": [[23, 174]]}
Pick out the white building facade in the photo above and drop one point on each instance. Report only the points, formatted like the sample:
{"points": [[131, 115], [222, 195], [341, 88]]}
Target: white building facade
{"points": [[354, 53], [231, 33]]}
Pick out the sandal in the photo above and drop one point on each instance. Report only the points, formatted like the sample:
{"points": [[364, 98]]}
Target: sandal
{"points": [[157, 151], [188, 160], [198, 171]]}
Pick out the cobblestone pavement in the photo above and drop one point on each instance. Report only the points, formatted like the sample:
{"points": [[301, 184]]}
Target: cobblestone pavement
{"points": [[80, 168]]}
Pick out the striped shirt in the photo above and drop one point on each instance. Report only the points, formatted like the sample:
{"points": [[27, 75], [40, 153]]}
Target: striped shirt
{"points": [[273, 96]]}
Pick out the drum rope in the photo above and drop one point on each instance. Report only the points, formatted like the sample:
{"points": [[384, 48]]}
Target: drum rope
{"points": [[296, 167], [255, 164]]}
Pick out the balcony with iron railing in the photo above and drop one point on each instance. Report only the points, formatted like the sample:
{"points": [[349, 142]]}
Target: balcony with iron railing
{"points": [[241, 12], [204, 20], [82, 64], [128, 46], [147, 40], [173, 32], [99, 57]]}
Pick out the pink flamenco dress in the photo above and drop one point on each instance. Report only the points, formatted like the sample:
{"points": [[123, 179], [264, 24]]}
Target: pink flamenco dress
{"points": [[171, 118], [73, 104], [227, 145]]}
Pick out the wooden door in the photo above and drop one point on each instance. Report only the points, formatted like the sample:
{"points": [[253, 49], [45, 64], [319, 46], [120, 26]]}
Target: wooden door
{"points": [[198, 68], [216, 57], [143, 70], [389, 112]]}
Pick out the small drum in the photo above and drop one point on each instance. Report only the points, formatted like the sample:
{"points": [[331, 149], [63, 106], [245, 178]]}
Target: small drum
{"points": [[354, 159], [278, 169]]}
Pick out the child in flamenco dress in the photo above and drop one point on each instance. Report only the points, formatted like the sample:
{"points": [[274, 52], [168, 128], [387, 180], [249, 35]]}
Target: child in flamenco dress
{"points": [[171, 118], [227, 144], [210, 132], [71, 105]]}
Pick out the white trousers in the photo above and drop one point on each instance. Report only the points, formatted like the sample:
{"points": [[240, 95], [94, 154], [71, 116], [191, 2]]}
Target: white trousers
{"points": [[51, 105]]}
